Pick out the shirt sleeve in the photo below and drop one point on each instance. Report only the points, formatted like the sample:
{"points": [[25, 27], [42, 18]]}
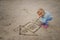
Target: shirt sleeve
{"points": [[43, 20]]}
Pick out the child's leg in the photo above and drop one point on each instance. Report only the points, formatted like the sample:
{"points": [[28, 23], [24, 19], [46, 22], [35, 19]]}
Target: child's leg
{"points": [[45, 25], [49, 19]]}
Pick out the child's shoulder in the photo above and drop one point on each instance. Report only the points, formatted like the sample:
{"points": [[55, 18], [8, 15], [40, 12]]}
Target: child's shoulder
{"points": [[47, 13]]}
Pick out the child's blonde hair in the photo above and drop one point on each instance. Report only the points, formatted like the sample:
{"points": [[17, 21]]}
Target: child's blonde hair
{"points": [[41, 12]]}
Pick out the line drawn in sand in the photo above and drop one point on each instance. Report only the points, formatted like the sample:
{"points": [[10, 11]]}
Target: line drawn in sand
{"points": [[29, 28]]}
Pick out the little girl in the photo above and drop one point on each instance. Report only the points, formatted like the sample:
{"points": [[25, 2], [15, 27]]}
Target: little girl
{"points": [[44, 17]]}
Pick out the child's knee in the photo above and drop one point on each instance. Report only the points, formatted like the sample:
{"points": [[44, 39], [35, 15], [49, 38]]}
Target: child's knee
{"points": [[49, 19]]}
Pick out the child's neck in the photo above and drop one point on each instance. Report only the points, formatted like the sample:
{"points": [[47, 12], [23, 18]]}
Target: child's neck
{"points": [[42, 16]]}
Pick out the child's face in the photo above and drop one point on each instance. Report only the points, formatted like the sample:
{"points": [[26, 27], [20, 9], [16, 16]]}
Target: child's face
{"points": [[40, 13]]}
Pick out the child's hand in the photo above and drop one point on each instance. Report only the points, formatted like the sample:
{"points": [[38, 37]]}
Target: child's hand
{"points": [[40, 16]]}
